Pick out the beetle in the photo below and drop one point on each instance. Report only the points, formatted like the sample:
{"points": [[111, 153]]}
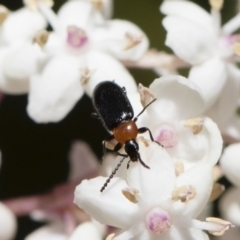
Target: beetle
{"points": [[115, 111]]}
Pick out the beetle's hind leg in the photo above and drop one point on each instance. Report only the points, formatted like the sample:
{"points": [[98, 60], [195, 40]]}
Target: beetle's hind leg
{"points": [[144, 129]]}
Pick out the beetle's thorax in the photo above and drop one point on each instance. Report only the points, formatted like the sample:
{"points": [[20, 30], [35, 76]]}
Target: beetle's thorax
{"points": [[125, 131], [131, 148]]}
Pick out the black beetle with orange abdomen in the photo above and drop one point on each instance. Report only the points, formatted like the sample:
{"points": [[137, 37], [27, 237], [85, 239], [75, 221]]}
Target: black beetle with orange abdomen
{"points": [[116, 113]]}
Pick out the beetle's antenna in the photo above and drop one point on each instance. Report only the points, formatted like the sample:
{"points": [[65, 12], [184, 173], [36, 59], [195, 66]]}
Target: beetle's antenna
{"points": [[111, 176], [136, 118]]}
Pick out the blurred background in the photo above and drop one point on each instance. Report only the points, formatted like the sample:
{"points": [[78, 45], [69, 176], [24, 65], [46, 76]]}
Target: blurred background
{"points": [[35, 156]]}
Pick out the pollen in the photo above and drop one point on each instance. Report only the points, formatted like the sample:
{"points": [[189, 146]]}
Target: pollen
{"points": [[195, 124], [146, 95], [4, 12], [98, 4], [131, 41], [179, 167], [86, 74], [131, 194], [221, 226], [216, 4], [41, 38], [236, 48], [183, 193], [33, 4]]}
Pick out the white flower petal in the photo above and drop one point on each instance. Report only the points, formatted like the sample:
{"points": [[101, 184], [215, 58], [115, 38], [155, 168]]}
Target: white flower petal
{"points": [[210, 81], [86, 231], [183, 34], [230, 206], [177, 97], [205, 146], [78, 13], [117, 38], [54, 93], [223, 110], [104, 68], [154, 184], [109, 207], [22, 25], [8, 223], [53, 231], [82, 161], [186, 10], [200, 177], [18, 64], [230, 163]]}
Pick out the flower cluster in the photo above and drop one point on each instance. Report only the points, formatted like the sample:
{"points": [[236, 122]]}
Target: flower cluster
{"points": [[182, 123]]}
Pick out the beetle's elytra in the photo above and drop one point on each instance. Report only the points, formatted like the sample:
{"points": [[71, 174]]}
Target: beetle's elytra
{"points": [[115, 111]]}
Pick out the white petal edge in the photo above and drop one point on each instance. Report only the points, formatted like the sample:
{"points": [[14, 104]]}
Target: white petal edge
{"points": [[210, 82], [109, 207], [8, 223], [154, 184], [53, 231], [22, 25], [230, 163], [199, 41], [54, 93], [112, 38], [104, 68], [177, 98], [230, 205], [187, 10]]}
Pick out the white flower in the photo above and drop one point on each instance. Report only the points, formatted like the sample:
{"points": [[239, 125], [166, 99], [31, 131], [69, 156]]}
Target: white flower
{"points": [[230, 165], [19, 57], [197, 37], [175, 121], [8, 223], [84, 47], [152, 203]]}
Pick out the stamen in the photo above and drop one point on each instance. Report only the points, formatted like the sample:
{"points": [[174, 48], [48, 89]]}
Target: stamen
{"points": [[111, 236], [34, 4], [183, 193], [216, 4], [131, 194], [236, 48], [196, 124], [217, 173], [214, 226], [41, 38], [146, 95], [179, 167], [76, 37], [86, 74], [98, 4], [158, 220], [217, 190], [132, 41], [167, 137], [4, 12]]}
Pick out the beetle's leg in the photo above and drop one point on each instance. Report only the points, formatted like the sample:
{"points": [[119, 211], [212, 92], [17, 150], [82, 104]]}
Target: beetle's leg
{"points": [[111, 176], [128, 164], [110, 138], [95, 115], [141, 161], [144, 129], [136, 118]]}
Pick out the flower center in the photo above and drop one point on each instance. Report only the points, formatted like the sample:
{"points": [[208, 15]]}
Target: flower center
{"points": [[76, 37], [167, 137], [158, 220]]}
